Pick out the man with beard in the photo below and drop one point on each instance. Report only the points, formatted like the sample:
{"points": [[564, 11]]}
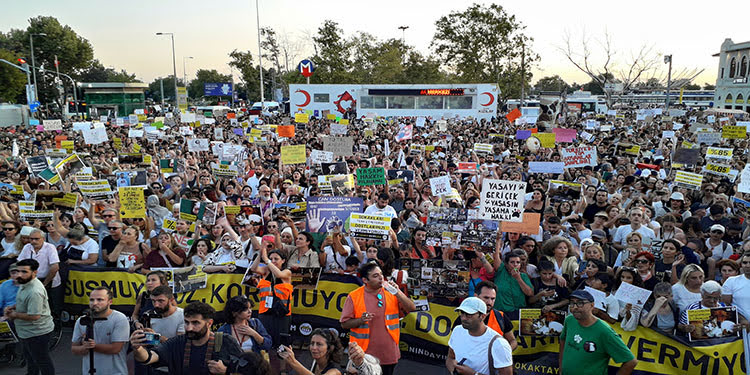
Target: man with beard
{"points": [[32, 318], [474, 348], [110, 333], [199, 351], [169, 324], [588, 340]]}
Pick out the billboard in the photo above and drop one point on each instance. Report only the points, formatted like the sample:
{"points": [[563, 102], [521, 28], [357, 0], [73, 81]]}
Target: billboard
{"points": [[217, 89]]}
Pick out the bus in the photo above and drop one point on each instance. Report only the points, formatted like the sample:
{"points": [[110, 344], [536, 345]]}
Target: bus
{"points": [[475, 100]]}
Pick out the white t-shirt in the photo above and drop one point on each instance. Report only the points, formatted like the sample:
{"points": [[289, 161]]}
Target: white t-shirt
{"points": [[334, 264], [739, 288], [385, 211], [8, 248], [88, 247], [683, 297], [474, 349], [647, 234]]}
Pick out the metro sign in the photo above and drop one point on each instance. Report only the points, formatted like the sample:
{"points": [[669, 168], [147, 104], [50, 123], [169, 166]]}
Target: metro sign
{"points": [[306, 68]]}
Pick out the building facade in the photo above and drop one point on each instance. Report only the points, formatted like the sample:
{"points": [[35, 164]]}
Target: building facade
{"points": [[732, 86]]}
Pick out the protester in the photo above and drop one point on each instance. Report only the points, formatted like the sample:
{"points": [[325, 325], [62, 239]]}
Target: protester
{"points": [[495, 319], [326, 351], [249, 332], [32, 317]]}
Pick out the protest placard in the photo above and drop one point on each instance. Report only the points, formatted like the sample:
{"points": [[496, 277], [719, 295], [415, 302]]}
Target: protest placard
{"points": [[96, 136], [95, 189], [340, 146], [224, 170], [132, 204], [719, 153], [464, 167], [371, 227], [69, 166], [52, 125], [733, 132], [502, 200], [712, 323], [717, 169], [483, 148], [547, 140], [632, 294], [198, 144], [708, 138], [440, 185], [295, 154], [286, 131], [338, 129], [546, 167], [187, 117], [529, 224], [371, 176], [328, 214], [319, 156], [397, 176], [191, 210], [447, 278], [564, 135], [523, 134], [533, 322], [686, 156], [575, 157], [688, 180], [305, 277], [302, 118], [135, 133], [37, 164], [334, 168]]}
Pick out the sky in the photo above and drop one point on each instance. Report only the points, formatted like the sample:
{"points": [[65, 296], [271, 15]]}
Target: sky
{"points": [[123, 33]]}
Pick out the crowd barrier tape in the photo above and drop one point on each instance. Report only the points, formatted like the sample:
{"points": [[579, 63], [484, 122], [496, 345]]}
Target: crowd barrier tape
{"points": [[424, 334]]}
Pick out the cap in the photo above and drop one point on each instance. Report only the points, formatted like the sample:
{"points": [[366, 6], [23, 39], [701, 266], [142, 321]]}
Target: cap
{"points": [[26, 230], [714, 227], [602, 214], [582, 294], [287, 230], [677, 196], [288, 181], [598, 233], [472, 305], [645, 173]]}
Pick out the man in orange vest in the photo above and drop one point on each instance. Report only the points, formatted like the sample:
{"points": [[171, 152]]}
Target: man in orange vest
{"points": [[496, 319], [372, 312]]}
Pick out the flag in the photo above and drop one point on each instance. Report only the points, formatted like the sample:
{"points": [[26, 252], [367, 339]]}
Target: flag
{"points": [[513, 115], [405, 133]]}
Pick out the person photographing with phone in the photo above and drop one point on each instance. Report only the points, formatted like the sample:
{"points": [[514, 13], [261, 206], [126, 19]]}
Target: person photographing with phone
{"points": [[371, 313]]}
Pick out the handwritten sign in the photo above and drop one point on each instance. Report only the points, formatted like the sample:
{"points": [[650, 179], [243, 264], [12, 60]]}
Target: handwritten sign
{"points": [[301, 118], [575, 157], [52, 125], [502, 200], [632, 294], [132, 203], [319, 156], [340, 146], [733, 132], [529, 224], [708, 138], [293, 154], [440, 185]]}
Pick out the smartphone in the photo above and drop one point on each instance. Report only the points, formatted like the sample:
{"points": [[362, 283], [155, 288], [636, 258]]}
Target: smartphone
{"points": [[151, 338]]}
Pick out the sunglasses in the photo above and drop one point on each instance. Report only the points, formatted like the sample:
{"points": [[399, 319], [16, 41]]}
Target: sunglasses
{"points": [[108, 215], [641, 261], [579, 303], [12, 228], [380, 300]]}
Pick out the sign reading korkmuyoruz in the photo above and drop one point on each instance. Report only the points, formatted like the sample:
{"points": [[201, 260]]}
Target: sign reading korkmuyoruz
{"points": [[217, 89]]}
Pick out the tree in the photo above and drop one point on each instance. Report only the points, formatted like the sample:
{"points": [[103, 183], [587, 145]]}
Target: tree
{"points": [[249, 74], [609, 71], [202, 76], [481, 44], [692, 86], [421, 69], [552, 83], [708, 86], [99, 73], [12, 80], [331, 52], [154, 89]]}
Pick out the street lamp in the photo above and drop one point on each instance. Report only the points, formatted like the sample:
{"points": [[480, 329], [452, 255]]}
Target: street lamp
{"points": [[184, 70], [668, 60], [403, 33], [174, 67], [31, 41]]}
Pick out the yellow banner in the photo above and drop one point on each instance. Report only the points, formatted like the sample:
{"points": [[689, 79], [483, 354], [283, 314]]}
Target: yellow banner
{"points": [[546, 139], [344, 121], [302, 118], [293, 154], [733, 132]]}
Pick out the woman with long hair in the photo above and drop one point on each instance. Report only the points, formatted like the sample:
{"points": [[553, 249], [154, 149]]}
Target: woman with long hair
{"points": [[559, 250], [128, 253], [326, 351], [536, 204], [166, 254], [628, 313], [417, 247], [143, 302], [688, 289], [239, 323], [199, 252]]}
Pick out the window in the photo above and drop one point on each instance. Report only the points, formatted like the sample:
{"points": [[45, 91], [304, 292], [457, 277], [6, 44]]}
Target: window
{"points": [[400, 102], [732, 69], [740, 99], [458, 102], [721, 75], [430, 102], [743, 67], [372, 102], [728, 99], [321, 98]]}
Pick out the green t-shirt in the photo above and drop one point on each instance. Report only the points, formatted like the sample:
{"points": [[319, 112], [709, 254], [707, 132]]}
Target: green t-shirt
{"points": [[32, 299], [509, 294], [593, 345]]}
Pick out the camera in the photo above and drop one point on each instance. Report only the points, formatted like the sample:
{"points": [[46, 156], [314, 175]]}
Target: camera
{"points": [[147, 316], [151, 338]]}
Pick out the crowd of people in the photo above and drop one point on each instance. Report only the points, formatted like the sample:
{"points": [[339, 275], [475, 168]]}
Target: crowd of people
{"points": [[624, 219]]}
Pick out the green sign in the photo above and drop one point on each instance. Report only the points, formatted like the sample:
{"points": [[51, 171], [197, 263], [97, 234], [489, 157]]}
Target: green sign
{"points": [[371, 176]]}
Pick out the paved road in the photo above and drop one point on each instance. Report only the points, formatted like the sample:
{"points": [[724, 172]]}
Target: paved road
{"points": [[68, 364]]}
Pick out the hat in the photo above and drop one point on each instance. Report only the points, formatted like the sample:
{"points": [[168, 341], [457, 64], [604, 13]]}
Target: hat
{"points": [[645, 173], [26, 230], [598, 233], [586, 242], [582, 294], [472, 305], [287, 181], [714, 227], [602, 214], [677, 196], [287, 230]]}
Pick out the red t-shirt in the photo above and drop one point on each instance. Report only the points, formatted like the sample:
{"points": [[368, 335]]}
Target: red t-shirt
{"points": [[381, 344]]}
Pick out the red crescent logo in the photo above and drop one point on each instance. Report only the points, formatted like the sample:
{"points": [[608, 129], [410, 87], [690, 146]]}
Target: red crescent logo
{"points": [[307, 98], [492, 99]]}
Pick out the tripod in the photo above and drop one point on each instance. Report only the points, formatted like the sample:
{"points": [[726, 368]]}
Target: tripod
{"points": [[88, 320]]}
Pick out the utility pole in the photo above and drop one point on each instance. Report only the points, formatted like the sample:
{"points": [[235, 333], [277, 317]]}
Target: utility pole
{"points": [[184, 70], [260, 61], [33, 65], [174, 67], [161, 86], [523, 72], [403, 33], [668, 60]]}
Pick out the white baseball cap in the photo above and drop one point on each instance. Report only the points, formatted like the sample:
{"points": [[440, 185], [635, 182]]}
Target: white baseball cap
{"points": [[472, 305]]}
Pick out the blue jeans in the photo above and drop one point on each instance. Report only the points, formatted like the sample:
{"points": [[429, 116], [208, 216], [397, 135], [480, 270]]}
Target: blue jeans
{"points": [[36, 353]]}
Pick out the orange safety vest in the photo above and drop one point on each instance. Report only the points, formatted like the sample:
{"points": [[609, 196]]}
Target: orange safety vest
{"points": [[361, 334], [493, 323], [282, 291]]}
